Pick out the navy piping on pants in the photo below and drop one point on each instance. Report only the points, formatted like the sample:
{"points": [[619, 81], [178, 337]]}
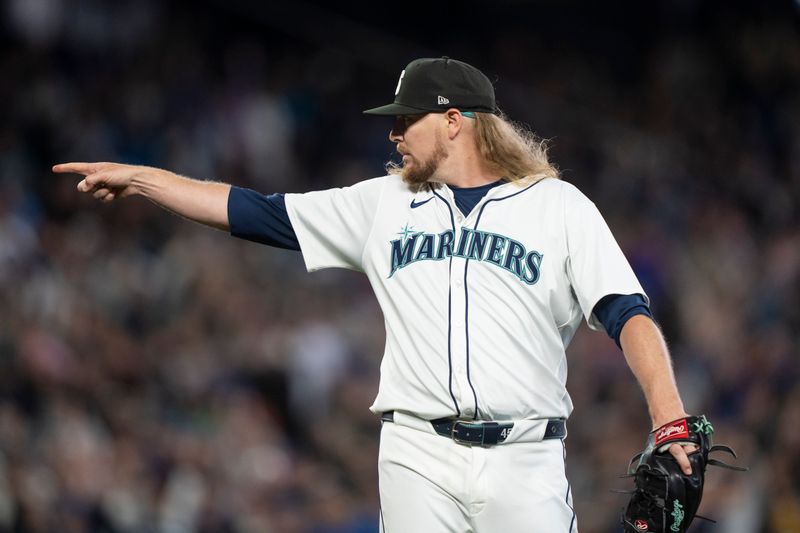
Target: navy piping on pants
{"points": [[566, 496]]}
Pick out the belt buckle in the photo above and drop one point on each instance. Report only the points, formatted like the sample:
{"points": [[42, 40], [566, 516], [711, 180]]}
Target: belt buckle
{"points": [[469, 426], [477, 429]]}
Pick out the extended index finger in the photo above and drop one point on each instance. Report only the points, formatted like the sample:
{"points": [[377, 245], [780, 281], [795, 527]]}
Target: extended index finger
{"points": [[77, 168]]}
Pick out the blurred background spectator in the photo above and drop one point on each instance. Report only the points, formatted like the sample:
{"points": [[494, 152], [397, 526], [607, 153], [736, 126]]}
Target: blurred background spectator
{"points": [[161, 376]]}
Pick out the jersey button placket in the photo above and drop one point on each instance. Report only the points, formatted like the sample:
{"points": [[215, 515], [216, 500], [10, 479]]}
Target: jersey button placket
{"points": [[458, 337]]}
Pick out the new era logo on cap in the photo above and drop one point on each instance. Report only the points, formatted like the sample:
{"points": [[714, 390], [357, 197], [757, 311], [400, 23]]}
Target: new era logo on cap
{"points": [[423, 82]]}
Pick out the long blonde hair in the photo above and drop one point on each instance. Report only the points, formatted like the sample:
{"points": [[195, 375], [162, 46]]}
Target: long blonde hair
{"points": [[508, 148], [511, 150]]}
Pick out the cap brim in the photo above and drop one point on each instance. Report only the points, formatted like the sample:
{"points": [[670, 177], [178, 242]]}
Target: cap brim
{"points": [[395, 109]]}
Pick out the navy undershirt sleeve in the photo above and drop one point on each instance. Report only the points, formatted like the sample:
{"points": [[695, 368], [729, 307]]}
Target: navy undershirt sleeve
{"points": [[261, 218], [615, 309]]}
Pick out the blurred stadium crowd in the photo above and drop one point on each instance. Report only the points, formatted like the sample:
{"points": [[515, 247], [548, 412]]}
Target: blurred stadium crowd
{"points": [[161, 376]]}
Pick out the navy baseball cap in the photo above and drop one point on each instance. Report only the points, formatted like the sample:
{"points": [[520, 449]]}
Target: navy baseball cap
{"points": [[434, 85]]}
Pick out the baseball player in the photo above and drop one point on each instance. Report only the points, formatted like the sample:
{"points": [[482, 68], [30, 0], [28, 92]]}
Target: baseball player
{"points": [[484, 263]]}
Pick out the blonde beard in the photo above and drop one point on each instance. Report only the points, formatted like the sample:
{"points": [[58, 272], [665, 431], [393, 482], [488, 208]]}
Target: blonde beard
{"points": [[420, 175]]}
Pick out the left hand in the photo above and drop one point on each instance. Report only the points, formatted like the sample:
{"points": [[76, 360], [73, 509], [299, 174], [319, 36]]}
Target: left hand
{"points": [[680, 453]]}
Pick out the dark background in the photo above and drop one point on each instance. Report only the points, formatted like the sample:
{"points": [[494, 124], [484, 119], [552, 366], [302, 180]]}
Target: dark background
{"points": [[161, 376]]}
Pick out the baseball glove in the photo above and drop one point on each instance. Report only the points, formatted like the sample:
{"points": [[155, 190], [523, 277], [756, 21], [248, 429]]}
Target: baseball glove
{"points": [[665, 499]]}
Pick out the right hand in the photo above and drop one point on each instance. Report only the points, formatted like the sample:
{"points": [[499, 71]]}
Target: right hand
{"points": [[105, 181]]}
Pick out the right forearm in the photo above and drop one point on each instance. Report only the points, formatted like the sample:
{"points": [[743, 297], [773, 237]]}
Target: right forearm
{"points": [[202, 201]]}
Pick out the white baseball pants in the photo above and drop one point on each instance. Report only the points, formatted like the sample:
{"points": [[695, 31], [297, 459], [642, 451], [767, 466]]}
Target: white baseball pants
{"points": [[431, 484]]}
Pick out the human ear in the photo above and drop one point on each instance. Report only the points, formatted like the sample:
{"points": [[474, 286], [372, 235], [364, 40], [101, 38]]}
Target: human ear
{"points": [[454, 122]]}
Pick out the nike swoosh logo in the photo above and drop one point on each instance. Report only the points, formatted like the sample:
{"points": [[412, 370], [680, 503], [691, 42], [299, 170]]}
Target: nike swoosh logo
{"points": [[415, 204]]}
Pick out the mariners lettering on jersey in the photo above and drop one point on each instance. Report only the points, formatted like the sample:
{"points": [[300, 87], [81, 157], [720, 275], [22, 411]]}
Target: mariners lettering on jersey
{"points": [[499, 250]]}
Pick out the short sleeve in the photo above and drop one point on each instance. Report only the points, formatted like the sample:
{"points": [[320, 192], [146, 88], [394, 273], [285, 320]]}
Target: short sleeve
{"points": [[596, 266], [333, 226]]}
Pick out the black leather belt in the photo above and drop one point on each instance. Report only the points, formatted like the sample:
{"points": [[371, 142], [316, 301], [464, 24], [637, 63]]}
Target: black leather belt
{"points": [[484, 433]]}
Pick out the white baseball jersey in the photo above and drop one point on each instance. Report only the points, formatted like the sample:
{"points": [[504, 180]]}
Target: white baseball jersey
{"points": [[478, 309]]}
